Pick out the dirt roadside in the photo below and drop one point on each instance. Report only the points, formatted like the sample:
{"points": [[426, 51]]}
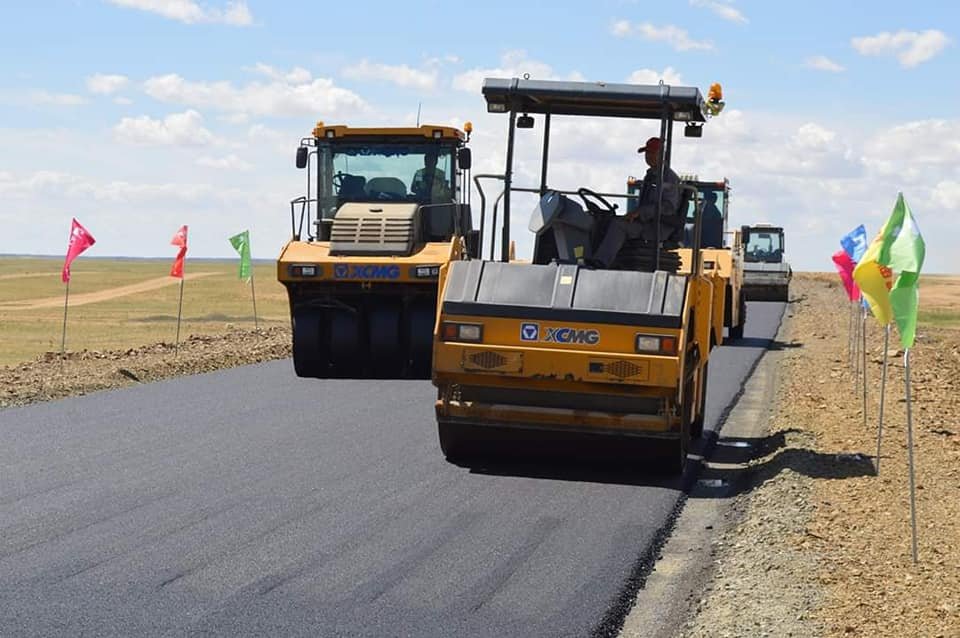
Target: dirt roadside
{"points": [[91, 370], [821, 544]]}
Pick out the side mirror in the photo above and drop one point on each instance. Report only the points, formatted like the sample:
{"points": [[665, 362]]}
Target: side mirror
{"points": [[302, 153], [464, 159], [693, 130], [525, 121]]}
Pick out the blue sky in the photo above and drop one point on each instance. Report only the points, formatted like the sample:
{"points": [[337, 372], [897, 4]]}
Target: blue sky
{"points": [[137, 116]]}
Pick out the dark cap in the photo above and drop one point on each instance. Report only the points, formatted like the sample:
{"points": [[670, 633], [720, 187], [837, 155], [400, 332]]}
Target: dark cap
{"points": [[653, 142]]}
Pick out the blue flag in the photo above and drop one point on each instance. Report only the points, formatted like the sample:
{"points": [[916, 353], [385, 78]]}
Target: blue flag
{"points": [[855, 243]]}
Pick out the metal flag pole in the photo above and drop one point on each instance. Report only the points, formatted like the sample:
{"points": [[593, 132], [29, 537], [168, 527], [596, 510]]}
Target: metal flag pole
{"points": [[176, 350], [856, 352], [883, 393], [863, 329], [913, 491], [63, 337], [253, 292], [852, 335]]}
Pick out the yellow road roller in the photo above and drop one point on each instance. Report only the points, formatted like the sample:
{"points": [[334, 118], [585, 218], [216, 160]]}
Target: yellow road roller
{"points": [[385, 210], [575, 348]]}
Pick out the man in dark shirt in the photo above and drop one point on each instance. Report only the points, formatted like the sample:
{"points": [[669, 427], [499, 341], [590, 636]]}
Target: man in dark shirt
{"points": [[633, 224]]}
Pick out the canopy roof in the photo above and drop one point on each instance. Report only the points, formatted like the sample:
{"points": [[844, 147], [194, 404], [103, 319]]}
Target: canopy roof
{"points": [[682, 103]]}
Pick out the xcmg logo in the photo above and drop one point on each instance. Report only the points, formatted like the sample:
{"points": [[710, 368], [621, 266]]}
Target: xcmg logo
{"points": [[533, 332], [361, 271]]}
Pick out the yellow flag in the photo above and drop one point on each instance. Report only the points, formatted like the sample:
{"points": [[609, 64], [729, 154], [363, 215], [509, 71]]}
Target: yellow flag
{"points": [[873, 274]]}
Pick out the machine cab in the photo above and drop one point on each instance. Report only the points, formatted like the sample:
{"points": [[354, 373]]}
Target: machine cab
{"points": [[408, 178], [763, 244]]}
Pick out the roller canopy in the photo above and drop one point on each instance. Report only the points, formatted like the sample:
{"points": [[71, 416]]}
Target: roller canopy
{"points": [[593, 99]]}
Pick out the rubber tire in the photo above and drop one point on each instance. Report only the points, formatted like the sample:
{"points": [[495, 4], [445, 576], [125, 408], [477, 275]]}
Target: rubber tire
{"points": [[347, 353], [310, 353], [420, 320], [384, 336]]}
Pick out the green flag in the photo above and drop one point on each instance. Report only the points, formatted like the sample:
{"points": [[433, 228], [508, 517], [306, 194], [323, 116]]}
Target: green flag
{"points": [[906, 254], [241, 243]]}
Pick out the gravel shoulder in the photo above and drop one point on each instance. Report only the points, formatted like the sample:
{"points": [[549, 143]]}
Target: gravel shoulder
{"points": [[88, 371]]}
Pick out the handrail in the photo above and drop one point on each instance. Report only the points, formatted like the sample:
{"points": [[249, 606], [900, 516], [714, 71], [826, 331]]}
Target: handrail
{"points": [[304, 203], [483, 206]]}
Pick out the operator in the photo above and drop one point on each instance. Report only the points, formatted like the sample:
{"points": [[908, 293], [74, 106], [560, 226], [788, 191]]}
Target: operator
{"points": [[625, 227], [429, 183], [712, 224]]}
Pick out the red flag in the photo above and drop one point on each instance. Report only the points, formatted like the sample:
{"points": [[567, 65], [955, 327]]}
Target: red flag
{"points": [[845, 266], [180, 239], [80, 240]]}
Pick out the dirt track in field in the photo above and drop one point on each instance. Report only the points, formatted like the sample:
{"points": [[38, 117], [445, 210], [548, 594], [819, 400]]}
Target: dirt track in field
{"points": [[100, 295]]}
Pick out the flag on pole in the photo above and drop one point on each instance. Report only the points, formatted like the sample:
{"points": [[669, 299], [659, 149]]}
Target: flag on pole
{"points": [[180, 239], [889, 271], [241, 243], [80, 240], [845, 266], [906, 259], [855, 243]]}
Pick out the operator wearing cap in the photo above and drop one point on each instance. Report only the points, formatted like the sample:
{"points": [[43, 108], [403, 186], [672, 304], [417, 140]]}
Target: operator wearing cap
{"points": [[429, 183], [625, 227]]}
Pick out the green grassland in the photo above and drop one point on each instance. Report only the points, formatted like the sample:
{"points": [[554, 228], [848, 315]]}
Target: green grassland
{"points": [[210, 304], [940, 318]]}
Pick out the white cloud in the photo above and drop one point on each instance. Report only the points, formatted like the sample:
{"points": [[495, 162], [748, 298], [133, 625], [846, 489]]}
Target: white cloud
{"points": [[227, 162], [401, 75], [176, 129], [277, 98], [189, 12], [235, 118], [910, 47], [296, 75], [722, 9], [915, 151], [513, 64], [105, 84], [813, 137], [46, 98], [946, 195], [676, 37], [823, 63], [650, 76], [58, 183]]}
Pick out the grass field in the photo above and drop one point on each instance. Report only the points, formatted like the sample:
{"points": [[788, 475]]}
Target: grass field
{"points": [[118, 304]]}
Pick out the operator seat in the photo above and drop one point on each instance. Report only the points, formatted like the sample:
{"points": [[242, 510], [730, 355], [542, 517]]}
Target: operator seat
{"points": [[352, 187], [641, 253]]}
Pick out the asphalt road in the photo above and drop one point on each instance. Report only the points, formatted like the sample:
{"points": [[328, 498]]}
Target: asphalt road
{"points": [[251, 502]]}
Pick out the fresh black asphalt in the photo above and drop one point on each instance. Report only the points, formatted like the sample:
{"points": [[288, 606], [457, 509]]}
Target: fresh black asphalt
{"points": [[251, 502]]}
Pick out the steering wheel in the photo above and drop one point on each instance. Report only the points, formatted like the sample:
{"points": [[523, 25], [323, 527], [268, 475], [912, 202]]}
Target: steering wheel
{"points": [[595, 203]]}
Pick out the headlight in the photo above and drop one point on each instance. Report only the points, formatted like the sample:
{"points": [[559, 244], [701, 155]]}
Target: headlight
{"points": [[656, 344], [469, 332], [304, 270]]}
